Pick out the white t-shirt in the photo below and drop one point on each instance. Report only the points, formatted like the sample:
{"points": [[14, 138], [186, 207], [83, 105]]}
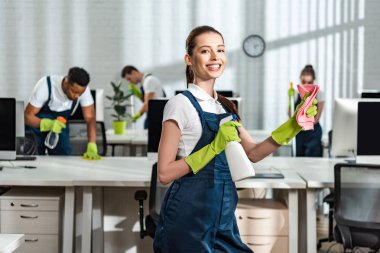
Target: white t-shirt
{"points": [[58, 100], [181, 110], [150, 84]]}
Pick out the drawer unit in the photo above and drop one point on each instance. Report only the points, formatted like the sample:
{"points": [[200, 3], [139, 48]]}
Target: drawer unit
{"points": [[263, 224], [39, 243], [35, 212], [266, 244], [29, 222]]}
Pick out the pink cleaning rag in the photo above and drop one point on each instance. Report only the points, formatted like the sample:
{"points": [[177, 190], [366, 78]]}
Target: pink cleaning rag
{"points": [[307, 123]]}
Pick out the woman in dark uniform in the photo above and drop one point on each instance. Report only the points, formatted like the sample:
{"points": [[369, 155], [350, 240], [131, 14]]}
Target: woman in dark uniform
{"points": [[309, 143]]}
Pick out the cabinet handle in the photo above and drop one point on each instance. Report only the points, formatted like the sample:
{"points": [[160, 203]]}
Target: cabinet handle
{"points": [[29, 205], [31, 240], [258, 218], [258, 244], [28, 217]]}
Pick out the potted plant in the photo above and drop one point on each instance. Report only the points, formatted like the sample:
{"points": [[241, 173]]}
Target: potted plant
{"points": [[119, 104]]}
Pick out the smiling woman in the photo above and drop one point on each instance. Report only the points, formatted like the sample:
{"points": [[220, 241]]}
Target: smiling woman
{"points": [[202, 184]]}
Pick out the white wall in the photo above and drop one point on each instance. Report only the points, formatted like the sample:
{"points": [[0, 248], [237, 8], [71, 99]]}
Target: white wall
{"points": [[340, 39]]}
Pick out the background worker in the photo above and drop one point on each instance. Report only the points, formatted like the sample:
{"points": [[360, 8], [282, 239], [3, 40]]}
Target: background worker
{"points": [[309, 143], [150, 88], [55, 96]]}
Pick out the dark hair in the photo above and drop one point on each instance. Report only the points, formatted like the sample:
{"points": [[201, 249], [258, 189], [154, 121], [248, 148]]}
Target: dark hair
{"points": [[190, 45], [308, 70], [79, 76], [127, 70]]}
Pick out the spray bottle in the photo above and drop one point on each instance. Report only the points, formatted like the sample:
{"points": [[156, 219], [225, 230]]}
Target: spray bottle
{"points": [[52, 138], [238, 162]]}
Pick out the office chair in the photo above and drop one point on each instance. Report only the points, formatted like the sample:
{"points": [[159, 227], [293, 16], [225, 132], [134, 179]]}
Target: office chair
{"points": [[78, 137], [26, 145], [357, 205], [151, 220], [329, 199]]}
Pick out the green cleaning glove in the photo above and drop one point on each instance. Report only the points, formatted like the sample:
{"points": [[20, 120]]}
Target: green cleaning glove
{"points": [[136, 116], [58, 125], [199, 159], [46, 124], [133, 89], [92, 152], [290, 128], [55, 125]]}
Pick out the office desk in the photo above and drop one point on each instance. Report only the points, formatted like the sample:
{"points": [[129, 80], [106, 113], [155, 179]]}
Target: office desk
{"points": [[71, 172], [131, 138], [10, 242], [318, 173], [288, 189]]}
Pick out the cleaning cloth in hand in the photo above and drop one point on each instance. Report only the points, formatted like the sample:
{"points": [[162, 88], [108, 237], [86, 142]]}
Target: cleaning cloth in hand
{"points": [[307, 123]]}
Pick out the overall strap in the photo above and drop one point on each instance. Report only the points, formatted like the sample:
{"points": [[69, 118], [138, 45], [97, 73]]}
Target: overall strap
{"points": [[193, 101], [74, 107], [49, 90]]}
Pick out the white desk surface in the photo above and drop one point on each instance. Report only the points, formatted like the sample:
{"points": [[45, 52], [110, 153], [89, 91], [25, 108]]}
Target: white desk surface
{"points": [[75, 171], [317, 172], [10, 242], [291, 180]]}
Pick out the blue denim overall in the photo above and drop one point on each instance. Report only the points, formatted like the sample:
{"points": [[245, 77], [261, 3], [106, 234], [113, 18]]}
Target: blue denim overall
{"points": [[197, 214], [309, 143], [63, 147]]}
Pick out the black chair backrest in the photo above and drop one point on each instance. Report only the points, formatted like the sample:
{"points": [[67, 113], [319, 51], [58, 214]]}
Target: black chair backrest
{"points": [[357, 195], [78, 137]]}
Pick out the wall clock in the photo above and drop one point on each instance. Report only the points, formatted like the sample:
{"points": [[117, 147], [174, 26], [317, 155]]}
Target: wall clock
{"points": [[254, 45]]}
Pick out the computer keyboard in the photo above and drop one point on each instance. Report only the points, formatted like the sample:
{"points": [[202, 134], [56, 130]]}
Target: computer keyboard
{"points": [[25, 158]]}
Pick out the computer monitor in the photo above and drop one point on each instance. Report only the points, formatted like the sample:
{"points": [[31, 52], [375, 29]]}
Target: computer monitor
{"points": [[224, 93], [345, 121], [368, 139], [98, 96], [370, 94], [7, 129], [155, 115]]}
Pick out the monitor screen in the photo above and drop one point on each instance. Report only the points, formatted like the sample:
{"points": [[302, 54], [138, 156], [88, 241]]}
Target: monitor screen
{"points": [[368, 127], [224, 93], [155, 115], [7, 128], [98, 96]]}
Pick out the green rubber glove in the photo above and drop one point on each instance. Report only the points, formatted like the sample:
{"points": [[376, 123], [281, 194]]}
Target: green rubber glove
{"points": [[136, 116], [46, 124], [92, 152], [133, 89], [57, 126], [227, 132], [290, 128]]}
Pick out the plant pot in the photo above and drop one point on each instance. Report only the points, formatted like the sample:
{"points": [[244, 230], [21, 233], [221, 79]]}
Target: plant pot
{"points": [[119, 126]]}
